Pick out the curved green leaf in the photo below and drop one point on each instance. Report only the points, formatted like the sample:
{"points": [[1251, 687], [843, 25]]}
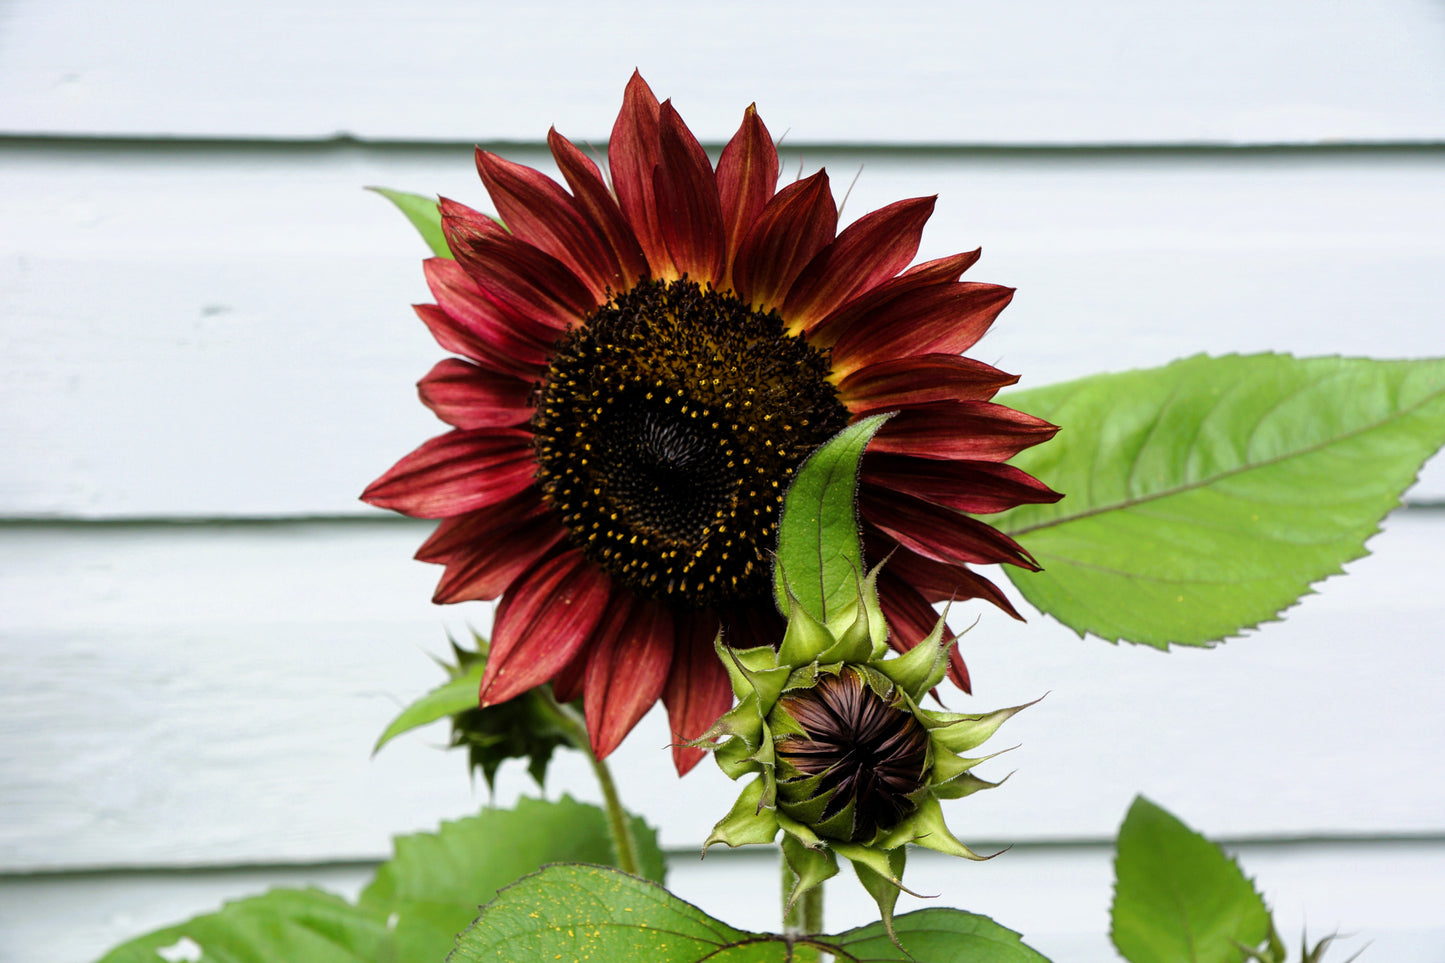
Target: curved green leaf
{"points": [[436, 881], [1206, 496], [424, 216], [284, 924], [937, 936], [593, 913], [414, 907], [819, 556], [451, 697], [1177, 897]]}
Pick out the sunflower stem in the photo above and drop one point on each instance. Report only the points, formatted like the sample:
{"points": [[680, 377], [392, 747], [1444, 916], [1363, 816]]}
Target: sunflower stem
{"points": [[619, 825], [804, 918]]}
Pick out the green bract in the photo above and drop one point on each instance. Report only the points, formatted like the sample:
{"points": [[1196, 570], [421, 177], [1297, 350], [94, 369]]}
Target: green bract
{"points": [[846, 761]]}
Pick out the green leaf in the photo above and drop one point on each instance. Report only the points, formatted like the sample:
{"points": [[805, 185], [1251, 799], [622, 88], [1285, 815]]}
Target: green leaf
{"points": [[1206, 496], [284, 924], [1177, 897], [819, 556], [424, 216], [448, 699], [937, 936], [528, 727], [436, 881], [593, 913]]}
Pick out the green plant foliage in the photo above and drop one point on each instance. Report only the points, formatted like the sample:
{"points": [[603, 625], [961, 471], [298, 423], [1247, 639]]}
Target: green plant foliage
{"points": [[1204, 497], [818, 543], [528, 727], [938, 936], [424, 216], [454, 696], [598, 914], [418, 901], [284, 924], [436, 881], [1178, 898], [592, 913]]}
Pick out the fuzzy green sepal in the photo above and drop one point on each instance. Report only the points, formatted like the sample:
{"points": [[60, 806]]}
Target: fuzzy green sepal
{"points": [[884, 887], [965, 784], [961, 732], [735, 758], [920, 668], [926, 827], [749, 672], [948, 765], [796, 788], [798, 831], [747, 822], [854, 643], [808, 867], [805, 638]]}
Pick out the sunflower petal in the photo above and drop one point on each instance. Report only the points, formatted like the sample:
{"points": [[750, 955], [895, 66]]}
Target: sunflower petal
{"points": [[467, 396], [539, 212], [456, 473], [541, 623], [976, 487], [935, 581], [978, 430], [461, 224], [795, 225], [461, 338], [571, 679], [928, 274], [454, 535], [899, 382], [627, 669], [633, 153], [871, 250], [941, 533], [942, 319], [688, 209], [503, 334], [495, 556], [747, 178], [527, 282], [596, 201], [697, 691]]}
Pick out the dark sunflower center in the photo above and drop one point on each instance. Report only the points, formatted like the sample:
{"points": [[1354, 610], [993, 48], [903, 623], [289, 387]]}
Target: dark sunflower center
{"points": [[668, 429], [868, 750]]}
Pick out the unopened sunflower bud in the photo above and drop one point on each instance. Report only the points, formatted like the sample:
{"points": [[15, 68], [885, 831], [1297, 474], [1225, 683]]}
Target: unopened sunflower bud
{"points": [[847, 763], [859, 762]]}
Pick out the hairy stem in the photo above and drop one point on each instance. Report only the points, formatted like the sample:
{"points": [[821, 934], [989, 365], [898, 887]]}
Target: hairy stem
{"points": [[619, 826], [805, 918]]}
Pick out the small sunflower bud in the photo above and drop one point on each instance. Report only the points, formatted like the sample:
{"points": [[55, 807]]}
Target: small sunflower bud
{"points": [[847, 763], [860, 753]]}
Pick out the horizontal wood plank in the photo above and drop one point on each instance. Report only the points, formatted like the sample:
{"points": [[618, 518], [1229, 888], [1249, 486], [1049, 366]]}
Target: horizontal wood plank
{"points": [[1033, 72], [226, 332], [192, 695], [1382, 894]]}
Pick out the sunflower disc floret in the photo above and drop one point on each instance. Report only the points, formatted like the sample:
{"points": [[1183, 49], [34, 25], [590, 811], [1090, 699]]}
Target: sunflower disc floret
{"points": [[844, 759]]}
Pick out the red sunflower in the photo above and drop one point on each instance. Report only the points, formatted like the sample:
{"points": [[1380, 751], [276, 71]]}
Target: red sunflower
{"points": [[646, 367]]}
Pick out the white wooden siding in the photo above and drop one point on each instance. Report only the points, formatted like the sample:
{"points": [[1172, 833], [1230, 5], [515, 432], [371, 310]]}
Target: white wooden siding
{"points": [[847, 71], [206, 352], [237, 342]]}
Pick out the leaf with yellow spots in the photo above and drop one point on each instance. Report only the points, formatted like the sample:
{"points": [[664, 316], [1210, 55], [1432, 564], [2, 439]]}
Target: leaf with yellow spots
{"points": [[595, 913]]}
